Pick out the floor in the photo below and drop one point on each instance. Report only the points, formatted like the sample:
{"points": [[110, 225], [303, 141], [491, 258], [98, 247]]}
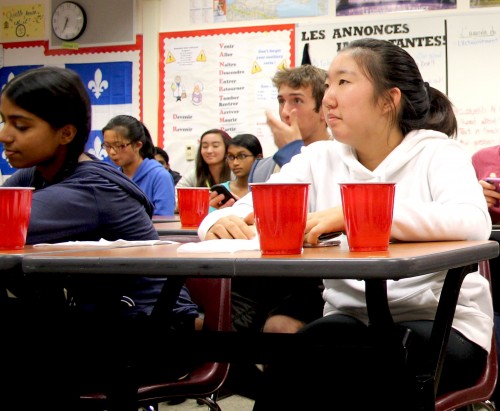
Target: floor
{"points": [[231, 403]]}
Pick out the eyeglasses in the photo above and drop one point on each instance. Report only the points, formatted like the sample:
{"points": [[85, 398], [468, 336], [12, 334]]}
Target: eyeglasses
{"points": [[240, 157], [117, 148]]}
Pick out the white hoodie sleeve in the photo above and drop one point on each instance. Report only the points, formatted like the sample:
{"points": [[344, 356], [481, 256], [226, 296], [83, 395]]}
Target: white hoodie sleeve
{"points": [[241, 208]]}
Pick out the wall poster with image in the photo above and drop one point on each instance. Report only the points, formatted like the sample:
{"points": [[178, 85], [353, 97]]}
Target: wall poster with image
{"points": [[219, 79]]}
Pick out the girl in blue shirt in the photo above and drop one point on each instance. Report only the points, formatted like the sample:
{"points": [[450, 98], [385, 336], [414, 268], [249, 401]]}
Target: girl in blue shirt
{"points": [[130, 146]]}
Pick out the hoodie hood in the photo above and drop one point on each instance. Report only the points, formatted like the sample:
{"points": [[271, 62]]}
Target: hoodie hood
{"points": [[412, 145], [115, 176]]}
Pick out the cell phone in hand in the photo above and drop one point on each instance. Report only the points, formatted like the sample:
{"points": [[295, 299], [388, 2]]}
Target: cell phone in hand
{"points": [[496, 182], [221, 189], [325, 240]]}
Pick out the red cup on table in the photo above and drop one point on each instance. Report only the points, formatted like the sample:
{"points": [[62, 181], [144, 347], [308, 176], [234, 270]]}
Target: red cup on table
{"points": [[15, 213], [193, 204], [280, 216], [368, 209]]}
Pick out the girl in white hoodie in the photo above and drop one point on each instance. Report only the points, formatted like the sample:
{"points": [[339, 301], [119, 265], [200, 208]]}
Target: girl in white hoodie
{"points": [[388, 125]]}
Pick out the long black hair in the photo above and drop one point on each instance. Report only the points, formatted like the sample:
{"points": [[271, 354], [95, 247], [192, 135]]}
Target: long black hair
{"points": [[58, 96], [133, 131], [203, 176], [388, 66]]}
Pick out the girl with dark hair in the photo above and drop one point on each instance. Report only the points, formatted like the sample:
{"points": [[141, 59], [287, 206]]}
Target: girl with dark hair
{"points": [[388, 125], [242, 152], [130, 146], [46, 118], [210, 164]]}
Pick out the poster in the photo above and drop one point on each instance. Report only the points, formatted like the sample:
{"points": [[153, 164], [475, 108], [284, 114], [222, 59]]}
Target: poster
{"points": [[112, 77], [220, 79]]}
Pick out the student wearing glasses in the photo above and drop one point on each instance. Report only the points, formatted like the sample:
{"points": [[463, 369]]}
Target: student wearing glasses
{"points": [[130, 146], [242, 152]]}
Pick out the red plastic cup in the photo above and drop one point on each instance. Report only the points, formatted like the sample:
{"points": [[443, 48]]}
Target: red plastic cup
{"points": [[280, 216], [368, 209], [193, 204], [15, 212]]}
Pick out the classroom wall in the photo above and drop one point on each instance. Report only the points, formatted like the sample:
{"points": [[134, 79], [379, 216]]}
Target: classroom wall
{"points": [[467, 69], [153, 17]]}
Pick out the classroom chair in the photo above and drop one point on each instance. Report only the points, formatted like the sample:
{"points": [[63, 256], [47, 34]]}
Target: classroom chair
{"points": [[481, 392], [213, 296]]}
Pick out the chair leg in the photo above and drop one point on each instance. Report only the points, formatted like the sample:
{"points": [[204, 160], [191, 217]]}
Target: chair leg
{"points": [[480, 406], [210, 402]]}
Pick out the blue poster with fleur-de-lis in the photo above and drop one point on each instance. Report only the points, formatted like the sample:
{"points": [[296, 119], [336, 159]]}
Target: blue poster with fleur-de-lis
{"points": [[110, 89], [109, 85]]}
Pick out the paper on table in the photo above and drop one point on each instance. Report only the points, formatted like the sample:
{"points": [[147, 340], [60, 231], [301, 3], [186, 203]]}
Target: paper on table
{"points": [[105, 243], [222, 246]]}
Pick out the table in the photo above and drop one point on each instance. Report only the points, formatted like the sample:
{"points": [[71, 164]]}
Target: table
{"points": [[165, 219], [402, 260], [174, 228], [12, 259]]}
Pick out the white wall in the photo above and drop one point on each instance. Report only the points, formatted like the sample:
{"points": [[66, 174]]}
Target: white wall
{"points": [[158, 16]]}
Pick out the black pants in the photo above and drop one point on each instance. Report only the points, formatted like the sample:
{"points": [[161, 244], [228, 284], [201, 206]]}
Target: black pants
{"points": [[50, 357], [350, 367]]}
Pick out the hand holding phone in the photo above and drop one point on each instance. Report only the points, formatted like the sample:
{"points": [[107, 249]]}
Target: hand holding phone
{"points": [[325, 240], [221, 189], [496, 182]]}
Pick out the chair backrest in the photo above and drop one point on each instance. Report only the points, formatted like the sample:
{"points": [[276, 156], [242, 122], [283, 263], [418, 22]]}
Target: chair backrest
{"points": [[213, 296], [485, 386]]}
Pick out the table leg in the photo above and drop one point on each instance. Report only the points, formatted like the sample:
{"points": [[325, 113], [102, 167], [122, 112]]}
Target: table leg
{"points": [[427, 384]]}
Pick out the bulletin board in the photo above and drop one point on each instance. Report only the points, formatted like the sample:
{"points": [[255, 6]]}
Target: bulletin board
{"points": [[219, 79], [459, 55], [113, 76]]}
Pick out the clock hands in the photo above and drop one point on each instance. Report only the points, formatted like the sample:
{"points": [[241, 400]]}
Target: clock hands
{"points": [[65, 24]]}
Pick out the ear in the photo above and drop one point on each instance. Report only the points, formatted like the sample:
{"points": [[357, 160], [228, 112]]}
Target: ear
{"points": [[138, 145], [322, 114], [67, 134], [393, 100], [259, 156]]}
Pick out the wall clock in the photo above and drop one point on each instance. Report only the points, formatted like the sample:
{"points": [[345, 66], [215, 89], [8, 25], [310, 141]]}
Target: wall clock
{"points": [[69, 21]]}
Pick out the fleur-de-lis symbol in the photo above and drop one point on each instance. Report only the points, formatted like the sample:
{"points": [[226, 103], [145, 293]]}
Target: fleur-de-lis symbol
{"points": [[98, 85], [9, 78], [98, 151]]}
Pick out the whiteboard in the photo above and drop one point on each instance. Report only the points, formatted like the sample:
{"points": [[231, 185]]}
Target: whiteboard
{"points": [[474, 78]]}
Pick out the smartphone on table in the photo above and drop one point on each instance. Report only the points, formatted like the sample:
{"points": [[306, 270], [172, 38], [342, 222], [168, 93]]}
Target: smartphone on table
{"points": [[496, 182], [221, 189]]}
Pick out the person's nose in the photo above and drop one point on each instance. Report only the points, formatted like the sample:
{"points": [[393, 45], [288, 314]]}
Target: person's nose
{"points": [[286, 109], [329, 99], [5, 136]]}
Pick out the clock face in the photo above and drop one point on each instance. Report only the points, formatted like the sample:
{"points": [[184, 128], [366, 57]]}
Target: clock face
{"points": [[69, 21], [20, 30]]}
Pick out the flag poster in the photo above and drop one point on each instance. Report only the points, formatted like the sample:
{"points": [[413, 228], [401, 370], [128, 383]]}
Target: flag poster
{"points": [[111, 76]]}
